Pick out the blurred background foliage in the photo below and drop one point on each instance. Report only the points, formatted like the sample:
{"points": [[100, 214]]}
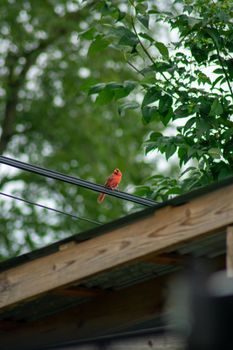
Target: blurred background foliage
{"points": [[47, 118]]}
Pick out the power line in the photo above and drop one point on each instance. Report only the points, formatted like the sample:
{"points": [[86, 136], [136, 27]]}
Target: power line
{"points": [[49, 208], [75, 181]]}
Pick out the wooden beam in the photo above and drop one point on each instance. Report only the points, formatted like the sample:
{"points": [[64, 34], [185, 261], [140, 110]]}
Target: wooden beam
{"points": [[229, 249], [154, 234], [167, 259], [79, 292], [113, 312]]}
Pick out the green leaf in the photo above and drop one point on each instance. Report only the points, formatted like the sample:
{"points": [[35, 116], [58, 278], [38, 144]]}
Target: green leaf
{"points": [[105, 96], [87, 84], [148, 114], [125, 90], [187, 170], [217, 80], [126, 36], [151, 147], [142, 191], [202, 126], [229, 64], [202, 78], [127, 105], [144, 19], [165, 103], [182, 111], [170, 150], [213, 33], [152, 95], [227, 135], [189, 124], [96, 88], [155, 135], [121, 15], [216, 108], [225, 171], [218, 71], [166, 117], [162, 49], [147, 37], [199, 54], [130, 85], [99, 44], [88, 34], [215, 153], [114, 86]]}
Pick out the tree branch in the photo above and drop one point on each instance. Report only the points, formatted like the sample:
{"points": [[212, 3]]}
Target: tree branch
{"points": [[149, 55]]}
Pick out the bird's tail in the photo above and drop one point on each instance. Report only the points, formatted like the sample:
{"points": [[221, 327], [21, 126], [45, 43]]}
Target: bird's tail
{"points": [[101, 198]]}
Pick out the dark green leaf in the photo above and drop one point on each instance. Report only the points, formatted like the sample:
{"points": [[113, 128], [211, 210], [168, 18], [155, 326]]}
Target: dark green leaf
{"points": [[144, 19], [217, 80], [218, 71], [165, 103], [162, 49], [148, 114], [146, 36], [202, 126], [121, 15], [166, 117], [182, 111], [189, 124], [200, 54], [152, 95], [152, 146], [230, 67], [155, 135], [170, 150]]}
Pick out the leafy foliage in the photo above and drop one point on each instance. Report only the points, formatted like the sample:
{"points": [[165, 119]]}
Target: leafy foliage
{"points": [[185, 84]]}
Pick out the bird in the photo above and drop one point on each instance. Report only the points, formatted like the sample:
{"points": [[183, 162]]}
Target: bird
{"points": [[112, 182]]}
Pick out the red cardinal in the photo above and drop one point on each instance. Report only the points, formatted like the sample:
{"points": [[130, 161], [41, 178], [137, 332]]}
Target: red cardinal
{"points": [[112, 182]]}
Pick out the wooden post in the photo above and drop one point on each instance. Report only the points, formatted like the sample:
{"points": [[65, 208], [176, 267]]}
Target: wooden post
{"points": [[229, 251]]}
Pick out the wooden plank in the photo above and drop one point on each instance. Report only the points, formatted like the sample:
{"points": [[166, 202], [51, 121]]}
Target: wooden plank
{"points": [[229, 249], [164, 229], [113, 312]]}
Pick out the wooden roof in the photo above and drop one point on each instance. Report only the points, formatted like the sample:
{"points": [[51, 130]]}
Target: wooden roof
{"points": [[112, 277]]}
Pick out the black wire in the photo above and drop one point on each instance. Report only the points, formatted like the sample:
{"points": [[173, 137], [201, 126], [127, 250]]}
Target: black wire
{"points": [[75, 181], [51, 209]]}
